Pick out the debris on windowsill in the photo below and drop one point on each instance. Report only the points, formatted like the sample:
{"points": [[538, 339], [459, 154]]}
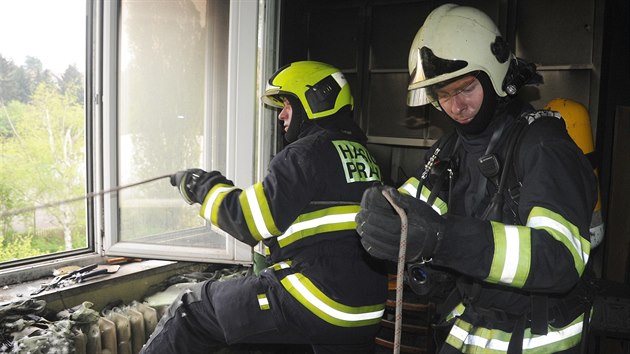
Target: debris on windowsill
{"points": [[121, 260], [71, 275], [98, 274]]}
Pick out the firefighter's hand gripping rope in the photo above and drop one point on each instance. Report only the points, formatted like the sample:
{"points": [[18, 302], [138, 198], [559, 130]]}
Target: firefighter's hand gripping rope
{"points": [[385, 219], [378, 225]]}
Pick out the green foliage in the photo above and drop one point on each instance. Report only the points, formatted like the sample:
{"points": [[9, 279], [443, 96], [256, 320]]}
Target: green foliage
{"points": [[52, 240], [19, 247], [49, 241], [28, 244], [9, 83], [42, 158], [71, 84]]}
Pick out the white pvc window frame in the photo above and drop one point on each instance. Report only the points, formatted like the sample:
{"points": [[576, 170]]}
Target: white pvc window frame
{"points": [[243, 153]]}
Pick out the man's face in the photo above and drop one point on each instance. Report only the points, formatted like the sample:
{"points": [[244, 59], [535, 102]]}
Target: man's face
{"points": [[285, 114], [461, 99]]}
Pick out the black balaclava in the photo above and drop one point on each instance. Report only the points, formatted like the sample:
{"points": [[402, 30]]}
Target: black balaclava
{"points": [[299, 120], [487, 110]]}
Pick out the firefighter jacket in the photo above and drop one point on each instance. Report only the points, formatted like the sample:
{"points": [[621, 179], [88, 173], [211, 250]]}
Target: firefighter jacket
{"points": [[303, 212], [539, 247]]}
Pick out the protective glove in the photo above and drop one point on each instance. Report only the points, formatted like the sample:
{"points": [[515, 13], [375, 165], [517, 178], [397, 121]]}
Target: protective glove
{"points": [[378, 224], [193, 184]]}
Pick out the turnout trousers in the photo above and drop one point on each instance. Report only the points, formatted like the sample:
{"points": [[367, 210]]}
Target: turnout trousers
{"points": [[253, 309]]}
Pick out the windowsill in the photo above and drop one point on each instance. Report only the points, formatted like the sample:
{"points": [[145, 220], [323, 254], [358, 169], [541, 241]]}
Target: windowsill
{"points": [[35, 271], [130, 282]]}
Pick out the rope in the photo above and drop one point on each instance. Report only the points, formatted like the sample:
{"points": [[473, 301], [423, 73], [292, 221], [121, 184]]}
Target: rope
{"points": [[400, 271], [89, 195]]}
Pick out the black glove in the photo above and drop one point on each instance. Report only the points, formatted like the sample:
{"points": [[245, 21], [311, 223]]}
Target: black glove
{"points": [[194, 183], [378, 224]]}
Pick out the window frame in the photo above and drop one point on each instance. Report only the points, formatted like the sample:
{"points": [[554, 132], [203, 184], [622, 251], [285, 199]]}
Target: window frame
{"points": [[242, 154], [33, 267], [252, 130]]}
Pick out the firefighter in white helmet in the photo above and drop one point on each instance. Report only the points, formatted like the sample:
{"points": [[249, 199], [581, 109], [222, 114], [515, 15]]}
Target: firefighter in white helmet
{"points": [[503, 204], [321, 287]]}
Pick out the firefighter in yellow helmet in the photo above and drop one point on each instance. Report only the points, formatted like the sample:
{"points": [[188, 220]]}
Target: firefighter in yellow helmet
{"points": [[503, 204], [321, 288]]}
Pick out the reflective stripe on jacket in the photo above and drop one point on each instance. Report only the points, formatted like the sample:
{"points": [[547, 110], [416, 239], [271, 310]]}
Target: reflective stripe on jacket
{"points": [[303, 212]]}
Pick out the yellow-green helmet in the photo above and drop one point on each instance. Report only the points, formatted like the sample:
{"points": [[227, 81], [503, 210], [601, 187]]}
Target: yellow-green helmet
{"points": [[453, 41], [321, 88]]}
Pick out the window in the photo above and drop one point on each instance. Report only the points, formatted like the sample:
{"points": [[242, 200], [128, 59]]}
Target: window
{"points": [[43, 120], [168, 85], [183, 93], [165, 73]]}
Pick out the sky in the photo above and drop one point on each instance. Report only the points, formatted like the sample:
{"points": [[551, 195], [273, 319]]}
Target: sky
{"points": [[50, 30]]}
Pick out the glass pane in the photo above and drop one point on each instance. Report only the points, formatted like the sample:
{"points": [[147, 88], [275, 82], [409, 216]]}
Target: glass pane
{"points": [[42, 127], [163, 58]]}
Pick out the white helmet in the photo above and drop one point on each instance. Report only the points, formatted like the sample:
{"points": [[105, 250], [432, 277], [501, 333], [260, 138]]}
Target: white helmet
{"points": [[455, 40]]}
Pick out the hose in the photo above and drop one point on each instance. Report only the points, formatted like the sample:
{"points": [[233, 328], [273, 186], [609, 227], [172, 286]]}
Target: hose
{"points": [[87, 196], [402, 253]]}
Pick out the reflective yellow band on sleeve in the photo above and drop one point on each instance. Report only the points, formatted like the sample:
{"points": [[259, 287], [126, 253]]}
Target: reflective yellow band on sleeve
{"points": [[564, 231], [214, 198], [257, 213], [511, 261]]}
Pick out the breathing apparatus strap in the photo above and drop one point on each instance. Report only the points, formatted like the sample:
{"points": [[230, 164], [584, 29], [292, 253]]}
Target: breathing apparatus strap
{"points": [[494, 139], [509, 180], [540, 316], [494, 210]]}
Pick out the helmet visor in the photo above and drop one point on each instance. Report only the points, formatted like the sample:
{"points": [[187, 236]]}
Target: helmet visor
{"points": [[430, 70], [441, 92], [273, 100]]}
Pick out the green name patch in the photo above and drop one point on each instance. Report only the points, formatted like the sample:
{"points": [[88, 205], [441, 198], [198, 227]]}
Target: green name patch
{"points": [[358, 163]]}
